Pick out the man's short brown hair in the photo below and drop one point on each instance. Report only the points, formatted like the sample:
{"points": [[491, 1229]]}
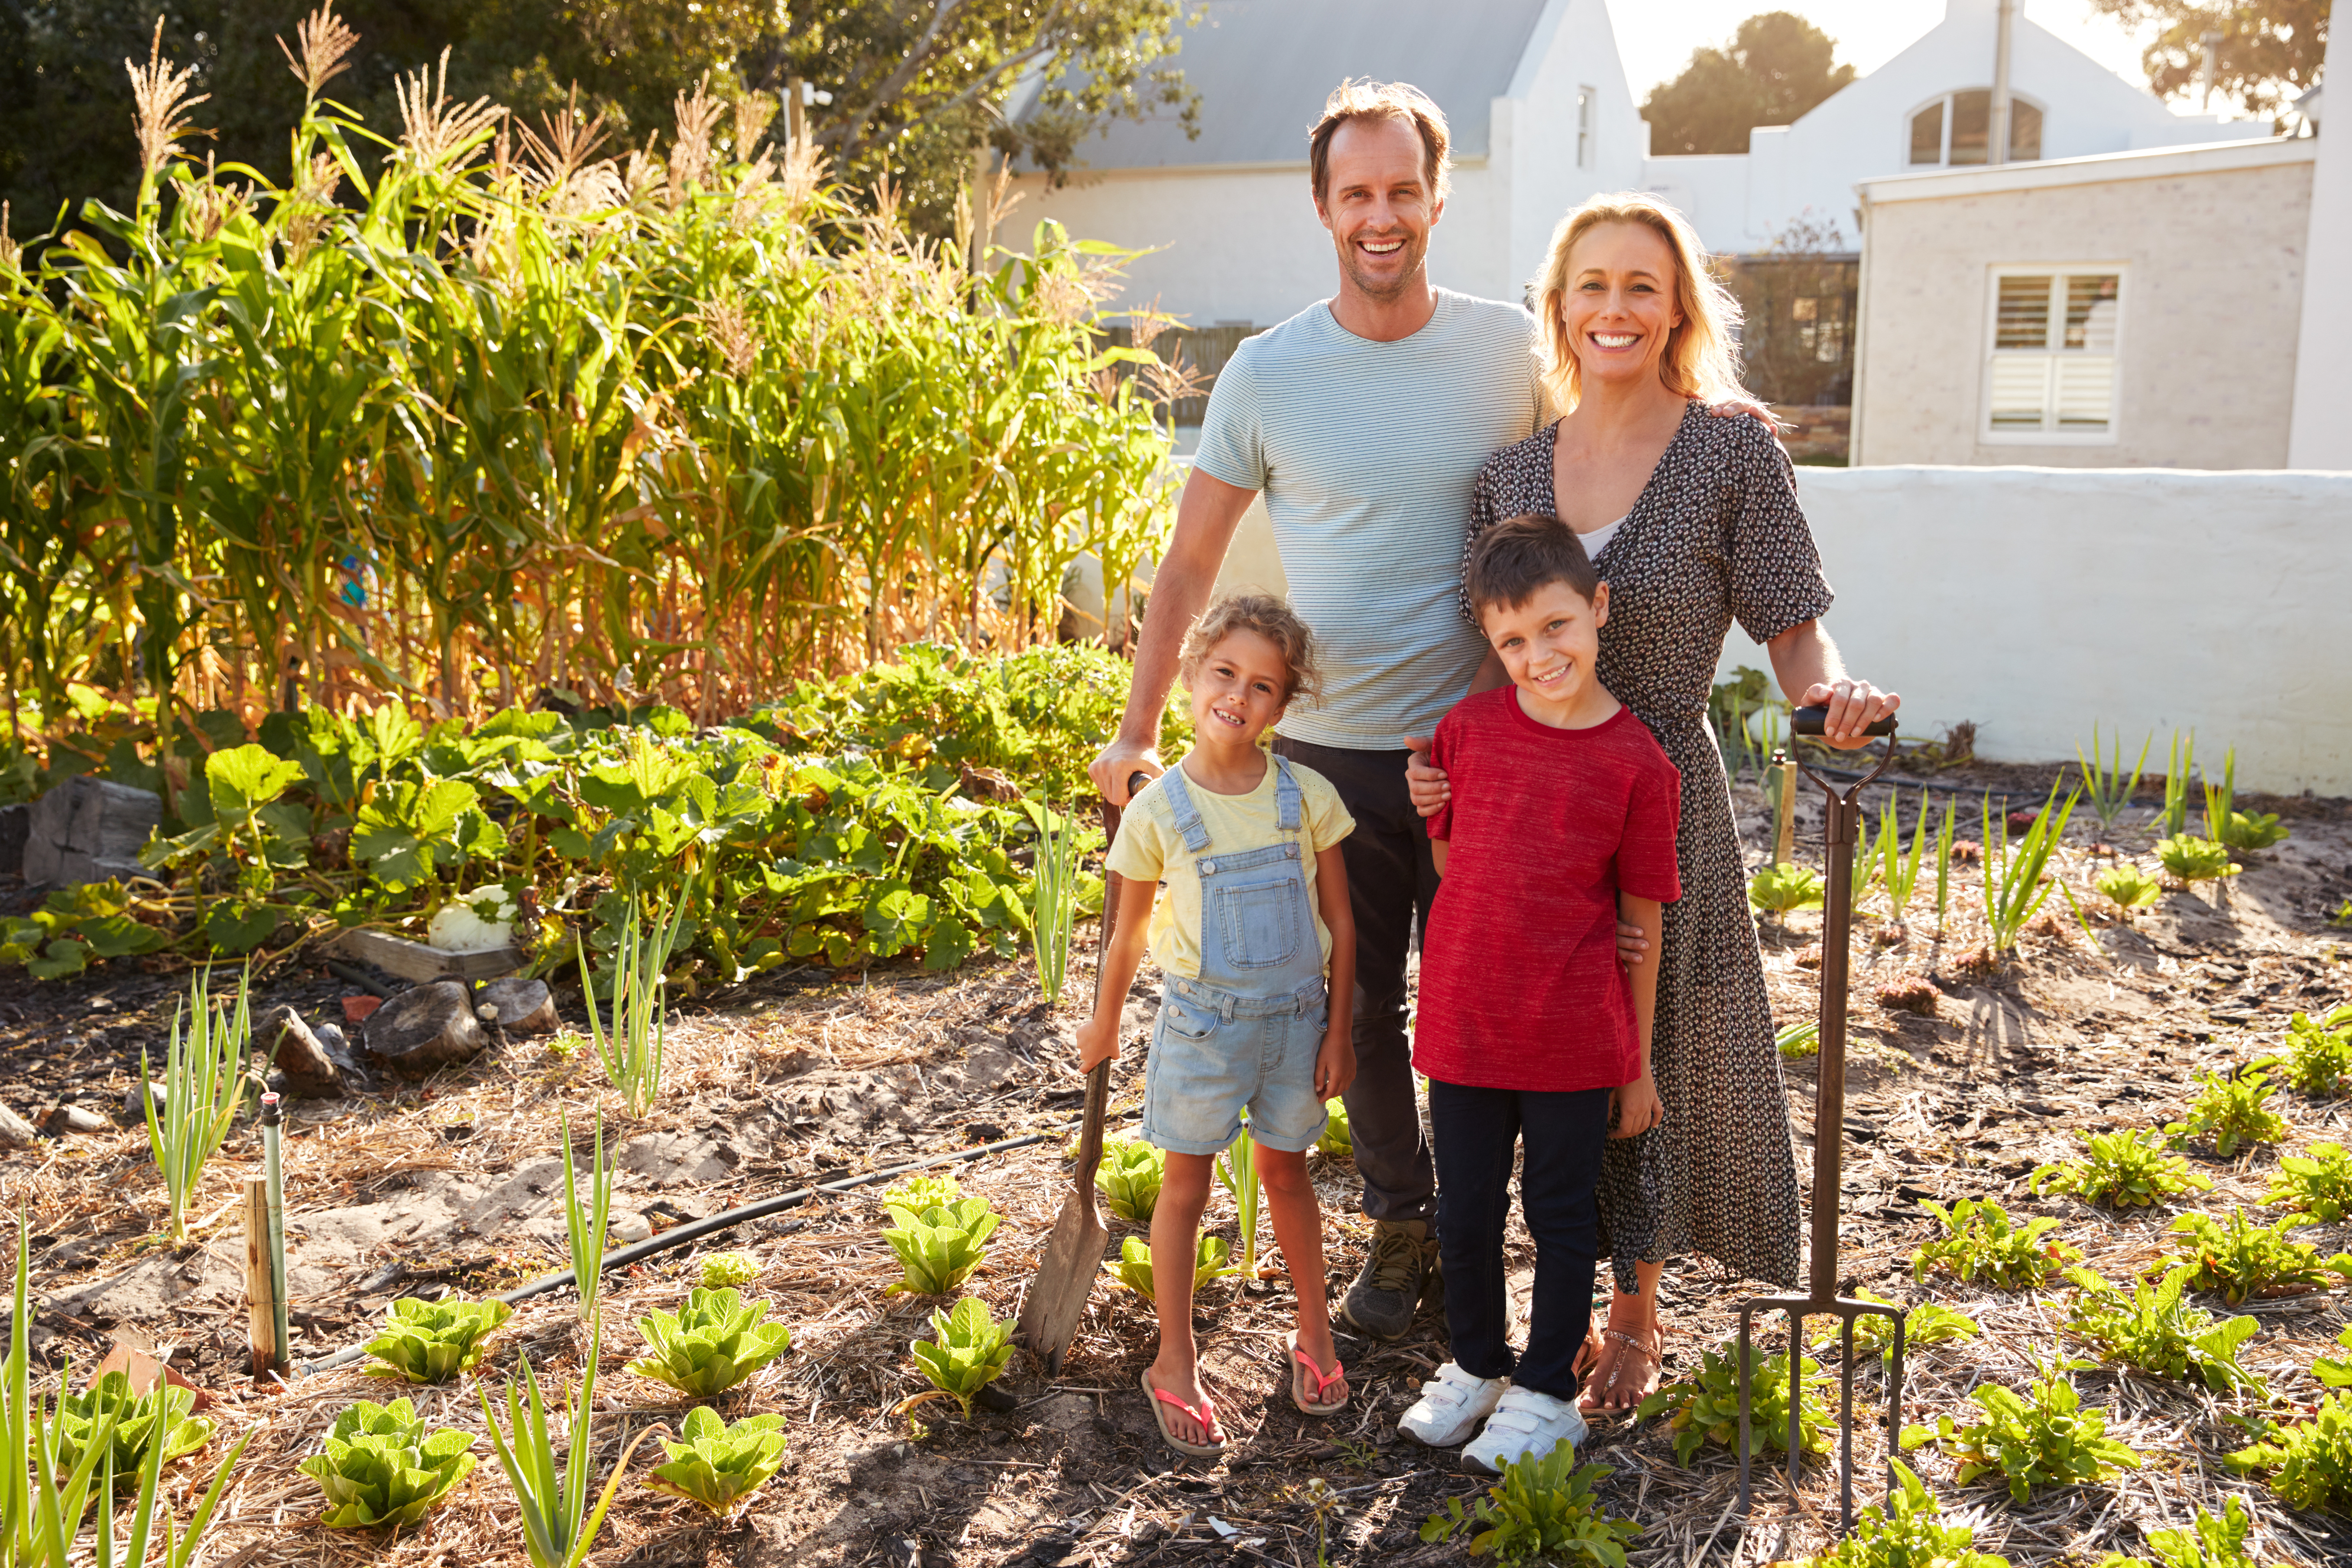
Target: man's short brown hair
{"points": [[1518, 555], [1364, 99]]}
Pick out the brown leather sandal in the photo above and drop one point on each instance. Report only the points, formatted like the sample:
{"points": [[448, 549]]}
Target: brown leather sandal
{"points": [[1620, 1392]]}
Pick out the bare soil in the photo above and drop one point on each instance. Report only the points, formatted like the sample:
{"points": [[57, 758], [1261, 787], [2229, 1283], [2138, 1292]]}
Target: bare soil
{"points": [[453, 1184]]}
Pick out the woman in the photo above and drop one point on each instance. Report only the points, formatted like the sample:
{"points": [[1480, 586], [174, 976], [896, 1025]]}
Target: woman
{"points": [[1694, 522]]}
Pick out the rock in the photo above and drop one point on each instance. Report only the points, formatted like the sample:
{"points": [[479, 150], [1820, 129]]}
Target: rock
{"points": [[89, 830], [15, 1132], [358, 1010], [629, 1227], [422, 1030], [300, 1057], [134, 1103], [524, 1006], [67, 1119]]}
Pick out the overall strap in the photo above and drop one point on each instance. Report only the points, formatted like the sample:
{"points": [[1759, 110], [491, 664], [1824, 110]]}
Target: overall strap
{"points": [[1195, 832], [1287, 813]]}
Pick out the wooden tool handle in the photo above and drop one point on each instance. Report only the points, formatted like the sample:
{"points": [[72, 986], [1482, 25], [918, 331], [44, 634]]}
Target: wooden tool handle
{"points": [[1097, 1103]]}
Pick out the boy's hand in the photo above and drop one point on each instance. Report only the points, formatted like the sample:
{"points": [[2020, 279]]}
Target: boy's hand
{"points": [[1635, 1107], [1335, 1064], [1097, 1041]]}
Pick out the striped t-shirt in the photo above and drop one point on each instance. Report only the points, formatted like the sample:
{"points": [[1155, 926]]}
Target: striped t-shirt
{"points": [[1366, 452]]}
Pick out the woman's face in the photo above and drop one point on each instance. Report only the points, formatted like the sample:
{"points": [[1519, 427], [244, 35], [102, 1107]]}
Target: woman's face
{"points": [[1619, 305]]}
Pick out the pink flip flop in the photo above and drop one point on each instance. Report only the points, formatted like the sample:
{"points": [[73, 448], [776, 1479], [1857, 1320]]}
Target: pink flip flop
{"points": [[1161, 1401], [1302, 1368]]}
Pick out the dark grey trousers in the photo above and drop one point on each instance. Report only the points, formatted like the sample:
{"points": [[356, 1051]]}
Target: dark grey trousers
{"points": [[1390, 881]]}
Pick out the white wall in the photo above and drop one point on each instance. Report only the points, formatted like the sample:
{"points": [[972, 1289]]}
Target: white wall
{"points": [[2037, 602], [2322, 434], [1534, 134]]}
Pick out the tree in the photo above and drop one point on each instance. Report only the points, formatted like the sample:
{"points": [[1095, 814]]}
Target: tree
{"points": [[1773, 70], [2268, 52]]}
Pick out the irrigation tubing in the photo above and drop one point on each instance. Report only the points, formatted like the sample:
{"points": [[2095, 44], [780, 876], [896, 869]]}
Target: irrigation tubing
{"points": [[695, 1230]]}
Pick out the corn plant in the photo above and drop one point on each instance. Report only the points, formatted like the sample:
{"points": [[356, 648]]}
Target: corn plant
{"points": [[2239, 1259], [2318, 1182], [1944, 864], [720, 1463], [2017, 881], [2104, 783], [2043, 1440], [1238, 1171], [1129, 1177], [1980, 1241], [203, 1087], [2155, 1329], [1899, 874], [632, 1053], [2194, 861], [1543, 1510], [2233, 1111], [1705, 1405], [558, 1524], [2309, 1462], [2121, 1169], [967, 1352], [2127, 887], [433, 1341], [941, 1247], [378, 1465], [2317, 1060], [711, 1344], [1213, 1260], [586, 1224], [1053, 899], [1906, 1530], [2183, 761]]}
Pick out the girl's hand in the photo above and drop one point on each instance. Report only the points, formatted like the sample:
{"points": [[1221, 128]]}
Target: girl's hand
{"points": [[1335, 1064], [1097, 1041], [1635, 1107], [1853, 705], [1425, 783]]}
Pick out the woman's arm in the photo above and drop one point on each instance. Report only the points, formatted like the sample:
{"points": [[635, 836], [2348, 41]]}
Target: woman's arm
{"points": [[1098, 1036], [1638, 1106], [1335, 1063], [1811, 675]]}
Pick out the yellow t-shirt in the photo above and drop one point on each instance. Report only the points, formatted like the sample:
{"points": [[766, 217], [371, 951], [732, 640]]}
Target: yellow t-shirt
{"points": [[1148, 847]]}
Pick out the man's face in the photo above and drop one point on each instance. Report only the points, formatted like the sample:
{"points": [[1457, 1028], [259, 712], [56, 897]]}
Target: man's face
{"points": [[1376, 204]]}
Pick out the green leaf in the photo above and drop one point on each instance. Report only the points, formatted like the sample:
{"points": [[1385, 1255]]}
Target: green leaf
{"points": [[242, 778], [711, 1343], [433, 1341]]}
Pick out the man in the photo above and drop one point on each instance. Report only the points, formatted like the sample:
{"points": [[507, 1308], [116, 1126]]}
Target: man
{"points": [[1363, 420]]}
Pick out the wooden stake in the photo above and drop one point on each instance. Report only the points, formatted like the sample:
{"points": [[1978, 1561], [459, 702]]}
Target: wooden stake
{"points": [[1784, 829], [261, 1292]]}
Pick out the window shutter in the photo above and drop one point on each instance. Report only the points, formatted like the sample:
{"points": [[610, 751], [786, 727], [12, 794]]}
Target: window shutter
{"points": [[2020, 391], [2087, 389]]}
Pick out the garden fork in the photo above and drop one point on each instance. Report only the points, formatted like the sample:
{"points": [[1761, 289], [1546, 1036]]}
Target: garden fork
{"points": [[1841, 833]]}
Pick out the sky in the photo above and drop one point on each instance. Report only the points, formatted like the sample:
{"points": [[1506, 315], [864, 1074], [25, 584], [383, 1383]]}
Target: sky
{"points": [[1656, 38]]}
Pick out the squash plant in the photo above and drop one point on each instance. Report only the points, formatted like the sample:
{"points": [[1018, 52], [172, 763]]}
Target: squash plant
{"points": [[711, 1343], [719, 1463], [379, 1466]]}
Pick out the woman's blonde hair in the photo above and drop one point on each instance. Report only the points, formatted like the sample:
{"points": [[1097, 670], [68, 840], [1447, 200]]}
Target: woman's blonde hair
{"points": [[1701, 360], [1270, 619]]}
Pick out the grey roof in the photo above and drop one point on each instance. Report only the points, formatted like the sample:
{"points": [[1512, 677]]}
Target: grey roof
{"points": [[1263, 68]]}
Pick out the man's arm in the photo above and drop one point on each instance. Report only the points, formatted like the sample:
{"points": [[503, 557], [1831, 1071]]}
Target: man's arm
{"points": [[1205, 520]]}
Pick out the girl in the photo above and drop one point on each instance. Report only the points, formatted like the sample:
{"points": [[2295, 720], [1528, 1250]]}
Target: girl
{"points": [[1258, 950]]}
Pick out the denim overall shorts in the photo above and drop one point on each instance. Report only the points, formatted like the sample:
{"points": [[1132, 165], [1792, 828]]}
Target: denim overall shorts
{"points": [[1247, 1031]]}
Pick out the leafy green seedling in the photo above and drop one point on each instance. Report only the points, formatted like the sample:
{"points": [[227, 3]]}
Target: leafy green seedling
{"points": [[917, 1195], [1213, 1260], [1924, 1324], [1129, 1177], [2193, 860], [2048, 1440], [587, 1224], [1338, 1139], [2317, 1060], [1980, 1242], [939, 1247], [2336, 1372], [967, 1352], [2318, 1182], [723, 1269], [1237, 1170], [433, 1341], [558, 1524], [719, 1465], [203, 1087], [135, 1420], [1542, 1510], [711, 1343], [2252, 831], [2175, 815], [2230, 1110], [2104, 783], [1907, 1530], [2208, 1542], [2241, 1258], [1705, 1405], [2121, 1170], [2155, 1329], [381, 1466], [2127, 887], [2310, 1461], [1777, 889]]}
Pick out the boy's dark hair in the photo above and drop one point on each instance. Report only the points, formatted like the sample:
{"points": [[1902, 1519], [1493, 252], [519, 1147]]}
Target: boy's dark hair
{"points": [[1520, 554]]}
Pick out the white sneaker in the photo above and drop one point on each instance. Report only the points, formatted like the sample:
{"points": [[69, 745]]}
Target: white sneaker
{"points": [[1451, 1404], [1524, 1422]]}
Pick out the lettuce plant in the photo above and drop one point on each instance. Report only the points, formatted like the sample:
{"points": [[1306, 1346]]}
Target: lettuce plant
{"points": [[2192, 860], [2208, 1542], [1777, 889], [2231, 1111], [720, 1464], [2155, 1330], [433, 1341], [2121, 1170], [135, 1420], [381, 1466], [2318, 1182], [1129, 1176], [940, 1246], [1924, 1324], [1212, 1260], [1338, 1138], [1979, 1239], [2127, 887], [710, 1344], [724, 1268], [2318, 1058], [967, 1352], [2310, 1461], [917, 1195]]}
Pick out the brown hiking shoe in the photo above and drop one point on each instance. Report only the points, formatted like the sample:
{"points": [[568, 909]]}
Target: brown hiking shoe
{"points": [[1400, 1268]]}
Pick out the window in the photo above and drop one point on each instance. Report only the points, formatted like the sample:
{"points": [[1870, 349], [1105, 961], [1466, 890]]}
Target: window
{"points": [[1821, 324], [1956, 130], [1584, 97], [2050, 376]]}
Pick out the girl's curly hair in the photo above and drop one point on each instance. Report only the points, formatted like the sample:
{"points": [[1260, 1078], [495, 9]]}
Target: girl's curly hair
{"points": [[1270, 619]]}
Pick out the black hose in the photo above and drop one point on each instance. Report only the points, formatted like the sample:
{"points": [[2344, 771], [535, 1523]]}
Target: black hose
{"points": [[694, 1230], [359, 978]]}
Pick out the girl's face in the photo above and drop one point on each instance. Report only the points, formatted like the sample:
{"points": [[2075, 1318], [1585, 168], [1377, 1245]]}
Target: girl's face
{"points": [[1239, 691], [1619, 306]]}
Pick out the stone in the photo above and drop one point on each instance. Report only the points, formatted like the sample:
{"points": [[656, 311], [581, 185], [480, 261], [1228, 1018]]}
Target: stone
{"points": [[300, 1057], [420, 1031], [15, 1132], [523, 1006], [629, 1227], [89, 830], [68, 1118], [134, 1103]]}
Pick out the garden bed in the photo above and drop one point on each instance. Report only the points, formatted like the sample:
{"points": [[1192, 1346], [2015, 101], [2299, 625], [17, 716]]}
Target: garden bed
{"points": [[800, 1077]]}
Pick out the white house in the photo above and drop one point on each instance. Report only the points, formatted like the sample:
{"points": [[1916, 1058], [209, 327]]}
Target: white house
{"points": [[1927, 108]]}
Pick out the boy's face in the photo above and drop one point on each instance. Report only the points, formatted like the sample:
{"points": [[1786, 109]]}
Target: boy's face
{"points": [[1549, 644], [1238, 692]]}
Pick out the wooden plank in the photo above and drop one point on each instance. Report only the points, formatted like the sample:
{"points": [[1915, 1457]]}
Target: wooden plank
{"points": [[415, 961]]}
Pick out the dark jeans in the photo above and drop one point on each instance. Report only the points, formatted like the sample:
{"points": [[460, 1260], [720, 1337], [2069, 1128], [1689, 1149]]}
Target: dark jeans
{"points": [[1476, 1130], [1390, 881]]}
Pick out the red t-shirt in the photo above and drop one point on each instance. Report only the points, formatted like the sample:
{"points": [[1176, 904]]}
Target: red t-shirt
{"points": [[1520, 987]]}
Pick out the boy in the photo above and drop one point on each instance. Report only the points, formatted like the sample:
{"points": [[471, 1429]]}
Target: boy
{"points": [[1562, 819]]}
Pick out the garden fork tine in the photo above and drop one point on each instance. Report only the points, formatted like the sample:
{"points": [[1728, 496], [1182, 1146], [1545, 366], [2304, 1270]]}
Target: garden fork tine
{"points": [[1841, 832]]}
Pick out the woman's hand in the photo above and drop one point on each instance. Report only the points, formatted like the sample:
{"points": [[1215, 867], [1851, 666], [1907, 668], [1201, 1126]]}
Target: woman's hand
{"points": [[1635, 1107], [1097, 1041], [1853, 705], [1424, 783]]}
